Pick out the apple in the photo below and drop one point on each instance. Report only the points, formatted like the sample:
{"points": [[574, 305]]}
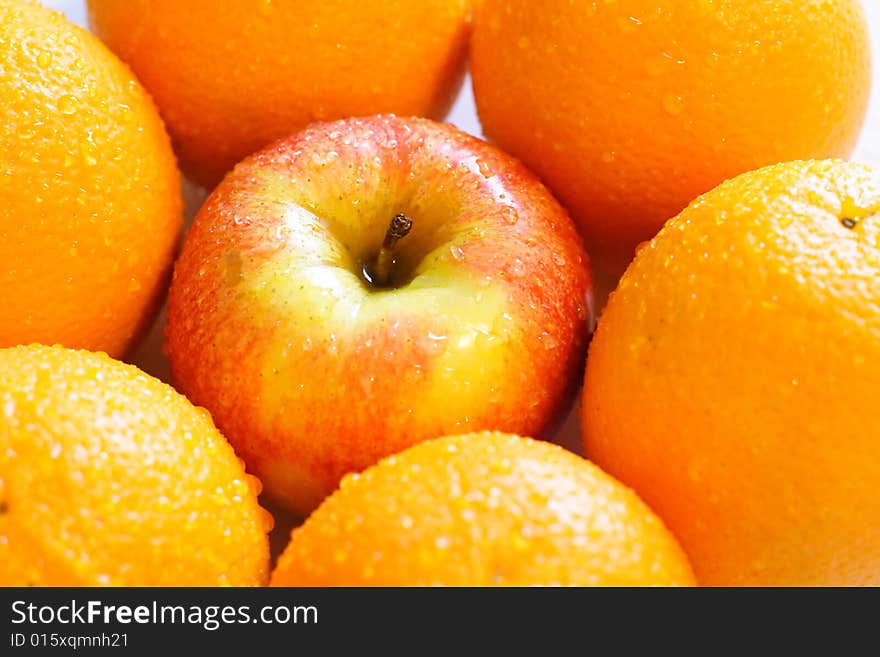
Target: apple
{"points": [[372, 283]]}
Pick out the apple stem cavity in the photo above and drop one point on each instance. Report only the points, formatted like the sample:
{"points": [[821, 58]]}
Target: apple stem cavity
{"points": [[380, 274]]}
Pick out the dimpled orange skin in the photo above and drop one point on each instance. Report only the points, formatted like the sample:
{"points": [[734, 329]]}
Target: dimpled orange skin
{"points": [[733, 382], [90, 202], [110, 477], [485, 509], [628, 110], [232, 77]]}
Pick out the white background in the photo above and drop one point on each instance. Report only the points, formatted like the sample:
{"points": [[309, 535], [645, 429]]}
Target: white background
{"points": [[464, 115]]}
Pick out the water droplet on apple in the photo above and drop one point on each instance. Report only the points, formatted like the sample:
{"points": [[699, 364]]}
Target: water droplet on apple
{"points": [[323, 159], [484, 169], [509, 215], [548, 341], [518, 268], [558, 259], [367, 275], [456, 252]]}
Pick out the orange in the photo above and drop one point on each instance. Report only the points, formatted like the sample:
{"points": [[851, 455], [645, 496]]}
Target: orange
{"points": [[90, 202], [482, 510], [109, 477], [630, 109], [232, 76], [734, 380]]}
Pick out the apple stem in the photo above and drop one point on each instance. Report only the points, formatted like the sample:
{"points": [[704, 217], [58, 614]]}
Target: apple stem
{"points": [[399, 228]]}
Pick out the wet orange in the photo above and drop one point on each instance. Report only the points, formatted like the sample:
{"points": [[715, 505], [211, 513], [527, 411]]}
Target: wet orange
{"points": [[109, 477], [482, 510], [630, 109], [90, 203], [733, 382], [231, 77]]}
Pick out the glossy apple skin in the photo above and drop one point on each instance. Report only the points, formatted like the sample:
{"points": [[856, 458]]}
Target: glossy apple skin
{"points": [[309, 371]]}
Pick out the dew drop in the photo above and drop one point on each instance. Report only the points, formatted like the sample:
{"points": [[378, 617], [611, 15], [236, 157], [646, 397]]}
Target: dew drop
{"points": [[548, 341], [628, 25], [323, 159], [509, 215], [456, 252]]}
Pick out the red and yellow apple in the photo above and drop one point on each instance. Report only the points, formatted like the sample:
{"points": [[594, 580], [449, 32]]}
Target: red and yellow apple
{"points": [[322, 340]]}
